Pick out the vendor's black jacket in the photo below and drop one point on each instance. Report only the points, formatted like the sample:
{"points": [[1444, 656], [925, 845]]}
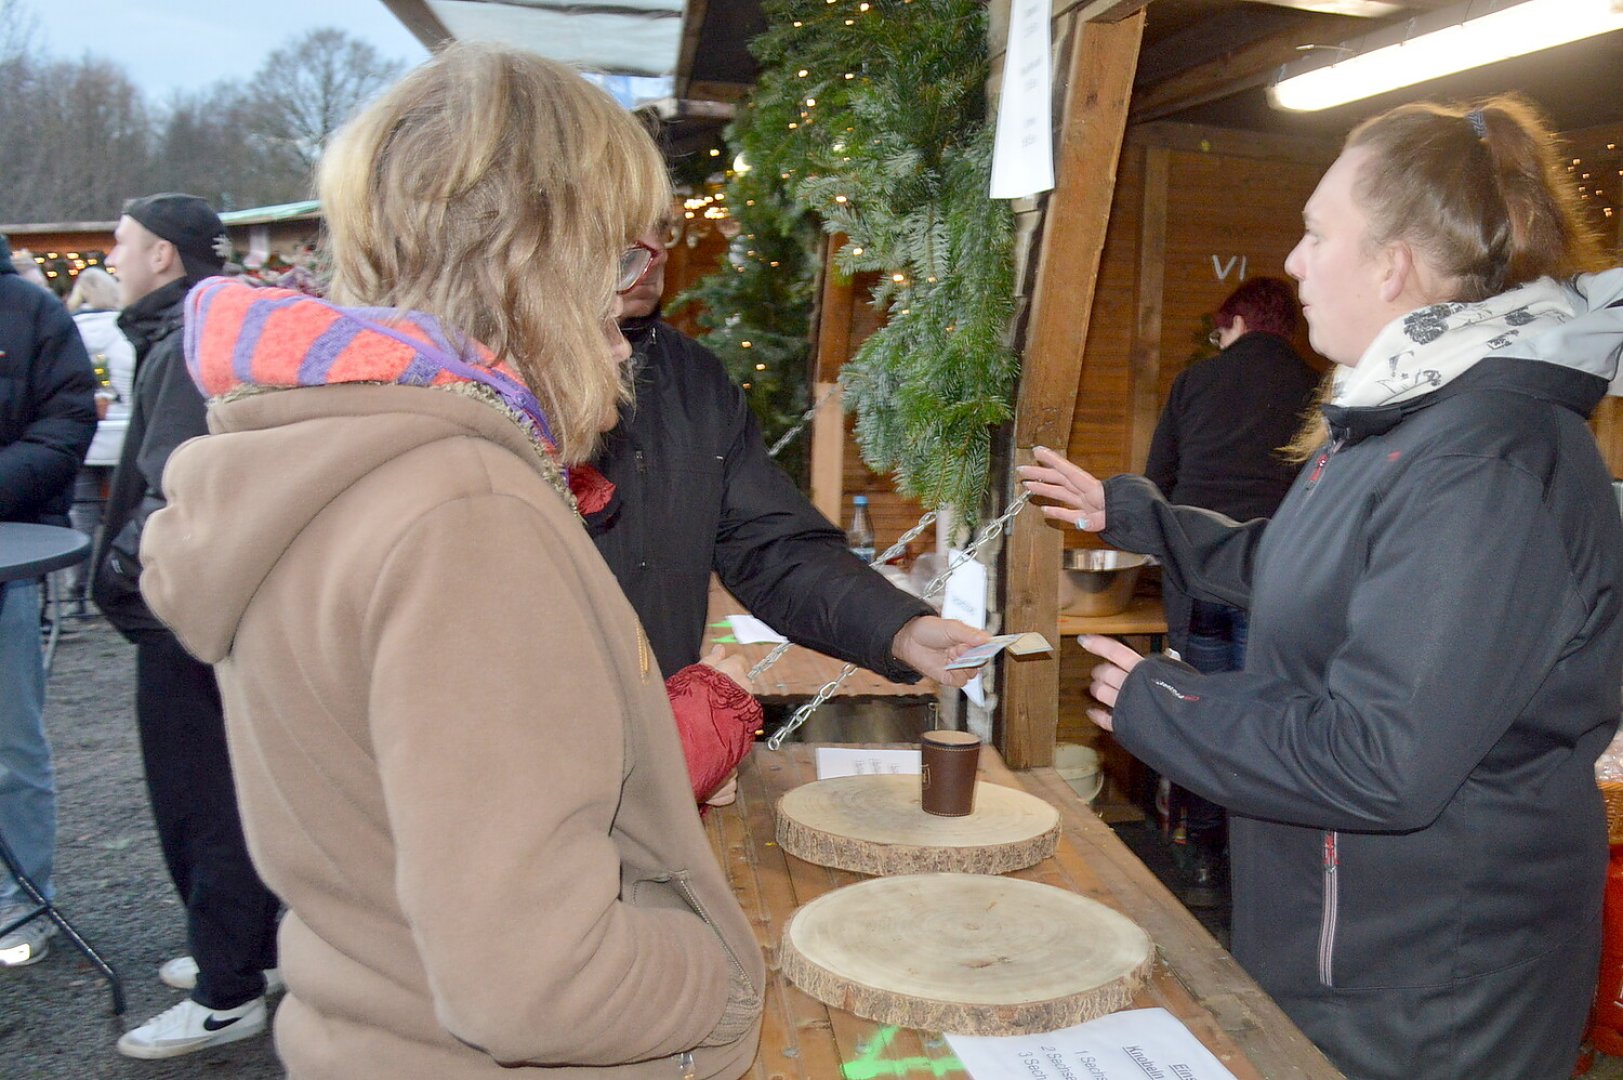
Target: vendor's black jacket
{"points": [[696, 492], [1217, 442], [47, 401], [166, 410], [1418, 844]]}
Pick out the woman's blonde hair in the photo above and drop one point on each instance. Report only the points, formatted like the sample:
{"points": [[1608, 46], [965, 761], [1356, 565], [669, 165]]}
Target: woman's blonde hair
{"points": [[94, 289], [496, 190], [1481, 191]]}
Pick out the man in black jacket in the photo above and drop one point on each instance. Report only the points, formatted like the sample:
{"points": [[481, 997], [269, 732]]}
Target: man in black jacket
{"points": [[164, 245], [697, 492], [47, 418]]}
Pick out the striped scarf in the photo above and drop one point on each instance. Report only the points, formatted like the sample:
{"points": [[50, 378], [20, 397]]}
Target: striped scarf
{"points": [[239, 336]]}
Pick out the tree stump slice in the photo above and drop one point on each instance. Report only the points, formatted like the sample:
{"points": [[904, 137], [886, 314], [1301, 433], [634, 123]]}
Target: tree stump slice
{"points": [[966, 954], [875, 825]]}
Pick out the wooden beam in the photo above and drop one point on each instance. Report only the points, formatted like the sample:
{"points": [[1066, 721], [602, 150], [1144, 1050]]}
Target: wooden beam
{"points": [[1109, 11], [1227, 142], [1099, 84], [833, 326], [1245, 67], [828, 452], [417, 17], [1144, 362]]}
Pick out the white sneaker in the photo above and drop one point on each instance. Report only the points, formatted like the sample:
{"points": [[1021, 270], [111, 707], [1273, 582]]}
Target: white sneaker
{"points": [[190, 1027], [29, 943], [181, 973]]}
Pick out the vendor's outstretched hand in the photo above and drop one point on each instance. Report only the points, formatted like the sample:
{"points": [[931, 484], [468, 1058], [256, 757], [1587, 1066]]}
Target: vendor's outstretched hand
{"points": [[1078, 496], [929, 643], [1119, 661]]}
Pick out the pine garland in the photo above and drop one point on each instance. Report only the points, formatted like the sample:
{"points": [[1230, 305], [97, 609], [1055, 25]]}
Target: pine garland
{"points": [[870, 116]]}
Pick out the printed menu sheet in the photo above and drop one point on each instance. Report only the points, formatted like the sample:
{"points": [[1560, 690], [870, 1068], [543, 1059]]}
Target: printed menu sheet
{"points": [[1138, 1044]]}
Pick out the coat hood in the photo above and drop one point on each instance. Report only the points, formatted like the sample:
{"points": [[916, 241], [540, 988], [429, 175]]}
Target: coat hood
{"points": [[241, 496], [1592, 341]]}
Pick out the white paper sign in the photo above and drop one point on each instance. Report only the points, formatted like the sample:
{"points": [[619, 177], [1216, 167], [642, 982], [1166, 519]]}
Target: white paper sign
{"points": [[752, 631], [1139, 1044], [855, 761], [1023, 153], [965, 600]]}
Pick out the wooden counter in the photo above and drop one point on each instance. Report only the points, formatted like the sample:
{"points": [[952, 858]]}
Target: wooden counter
{"points": [[803, 1039]]}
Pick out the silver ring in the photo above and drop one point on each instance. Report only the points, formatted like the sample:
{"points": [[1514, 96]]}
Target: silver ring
{"points": [[1082, 523]]}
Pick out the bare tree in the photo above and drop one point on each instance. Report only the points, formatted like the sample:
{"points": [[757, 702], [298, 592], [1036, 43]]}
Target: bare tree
{"points": [[79, 137], [306, 89]]}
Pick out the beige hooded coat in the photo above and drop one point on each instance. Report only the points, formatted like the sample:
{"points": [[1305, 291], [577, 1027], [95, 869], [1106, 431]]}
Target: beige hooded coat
{"points": [[453, 750]]}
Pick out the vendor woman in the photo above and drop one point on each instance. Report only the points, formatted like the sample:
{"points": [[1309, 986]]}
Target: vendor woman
{"points": [[1418, 844]]}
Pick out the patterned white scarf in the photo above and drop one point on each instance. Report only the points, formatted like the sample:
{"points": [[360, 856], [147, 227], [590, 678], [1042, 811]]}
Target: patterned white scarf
{"points": [[1416, 353]]}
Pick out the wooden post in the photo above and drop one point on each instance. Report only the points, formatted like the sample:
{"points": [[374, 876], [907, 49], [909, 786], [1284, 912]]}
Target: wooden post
{"points": [[828, 453], [832, 347], [1145, 361], [1098, 86]]}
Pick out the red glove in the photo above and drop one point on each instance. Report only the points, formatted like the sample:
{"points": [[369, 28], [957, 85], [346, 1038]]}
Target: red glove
{"points": [[717, 720]]}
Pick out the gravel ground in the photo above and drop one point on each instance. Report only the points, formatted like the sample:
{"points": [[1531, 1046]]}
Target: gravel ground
{"points": [[56, 1020]]}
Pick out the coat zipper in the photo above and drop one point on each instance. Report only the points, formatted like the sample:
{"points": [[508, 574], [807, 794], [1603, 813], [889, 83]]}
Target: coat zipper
{"points": [[1318, 466], [1332, 900], [681, 880]]}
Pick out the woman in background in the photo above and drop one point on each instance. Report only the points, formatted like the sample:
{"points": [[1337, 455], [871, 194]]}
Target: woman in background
{"points": [[93, 303], [455, 757], [1418, 846]]}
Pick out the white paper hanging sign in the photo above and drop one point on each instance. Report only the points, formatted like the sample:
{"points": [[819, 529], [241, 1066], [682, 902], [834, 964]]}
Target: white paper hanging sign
{"points": [[1023, 153]]}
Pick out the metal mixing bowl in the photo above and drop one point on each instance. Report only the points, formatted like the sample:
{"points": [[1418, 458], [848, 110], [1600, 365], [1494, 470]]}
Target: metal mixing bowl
{"points": [[1098, 582]]}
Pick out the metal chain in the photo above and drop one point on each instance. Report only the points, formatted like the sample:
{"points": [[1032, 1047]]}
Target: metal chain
{"points": [[800, 425], [884, 557], [939, 582]]}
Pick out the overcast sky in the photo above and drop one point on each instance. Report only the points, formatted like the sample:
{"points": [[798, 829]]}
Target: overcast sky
{"points": [[169, 45]]}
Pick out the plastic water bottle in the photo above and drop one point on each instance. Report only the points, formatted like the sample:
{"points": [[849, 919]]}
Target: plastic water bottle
{"points": [[859, 537]]}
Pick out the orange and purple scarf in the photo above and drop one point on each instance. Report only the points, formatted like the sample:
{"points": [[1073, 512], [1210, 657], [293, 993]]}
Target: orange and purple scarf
{"points": [[239, 335]]}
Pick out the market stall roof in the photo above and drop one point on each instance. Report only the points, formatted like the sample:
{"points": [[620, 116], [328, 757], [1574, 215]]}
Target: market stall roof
{"points": [[616, 37], [1204, 62]]}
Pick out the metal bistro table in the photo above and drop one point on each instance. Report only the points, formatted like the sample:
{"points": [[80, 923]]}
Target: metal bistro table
{"points": [[30, 551], [803, 1039]]}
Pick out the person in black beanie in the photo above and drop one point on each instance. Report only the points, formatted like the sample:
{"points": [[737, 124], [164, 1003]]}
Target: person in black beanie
{"points": [[165, 244]]}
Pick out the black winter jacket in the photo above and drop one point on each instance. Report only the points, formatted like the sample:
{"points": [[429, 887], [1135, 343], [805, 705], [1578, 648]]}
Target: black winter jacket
{"points": [[166, 410], [1418, 844], [697, 492], [47, 401], [1216, 444]]}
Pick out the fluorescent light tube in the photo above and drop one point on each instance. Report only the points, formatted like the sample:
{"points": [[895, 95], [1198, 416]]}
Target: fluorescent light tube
{"points": [[1440, 43]]}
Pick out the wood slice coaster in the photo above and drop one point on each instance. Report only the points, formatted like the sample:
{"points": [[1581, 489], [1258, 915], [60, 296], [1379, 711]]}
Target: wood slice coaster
{"points": [[965, 953], [875, 825]]}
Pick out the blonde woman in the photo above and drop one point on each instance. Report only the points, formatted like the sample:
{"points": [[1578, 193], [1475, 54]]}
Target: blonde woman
{"points": [[1418, 846], [453, 749]]}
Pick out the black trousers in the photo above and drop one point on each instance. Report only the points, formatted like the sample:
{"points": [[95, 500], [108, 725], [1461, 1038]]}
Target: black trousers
{"points": [[230, 915]]}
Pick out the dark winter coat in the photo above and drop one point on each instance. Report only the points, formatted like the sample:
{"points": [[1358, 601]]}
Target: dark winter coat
{"points": [[696, 492], [1217, 442], [47, 401], [167, 410], [1418, 844]]}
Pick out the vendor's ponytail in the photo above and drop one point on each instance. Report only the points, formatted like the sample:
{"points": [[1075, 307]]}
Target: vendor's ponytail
{"points": [[1480, 192]]}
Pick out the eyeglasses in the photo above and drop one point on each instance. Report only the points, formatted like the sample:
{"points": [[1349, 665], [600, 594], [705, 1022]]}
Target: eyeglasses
{"points": [[1216, 338], [634, 265]]}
